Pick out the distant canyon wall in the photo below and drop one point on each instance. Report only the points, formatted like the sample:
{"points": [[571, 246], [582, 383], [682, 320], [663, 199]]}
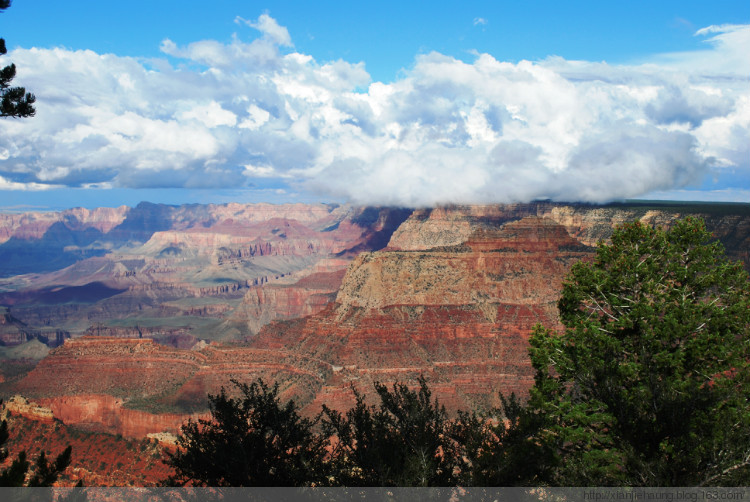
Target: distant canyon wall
{"points": [[452, 294]]}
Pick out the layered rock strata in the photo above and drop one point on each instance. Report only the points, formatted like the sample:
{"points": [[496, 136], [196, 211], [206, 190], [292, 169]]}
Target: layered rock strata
{"points": [[459, 313], [15, 332], [148, 262], [453, 296], [96, 382]]}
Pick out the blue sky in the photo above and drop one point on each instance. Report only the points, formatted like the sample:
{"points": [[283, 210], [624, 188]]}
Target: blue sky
{"points": [[409, 103], [386, 35]]}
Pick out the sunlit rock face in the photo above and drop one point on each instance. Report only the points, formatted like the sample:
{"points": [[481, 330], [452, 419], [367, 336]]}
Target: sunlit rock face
{"points": [[456, 293], [177, 270], [457, 309], [375, 295]]}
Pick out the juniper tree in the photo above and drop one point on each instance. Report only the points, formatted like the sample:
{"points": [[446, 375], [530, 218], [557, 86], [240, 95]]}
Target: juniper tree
{"points": [[250, 440], [499, 447], [405, 441], [649, 381]]}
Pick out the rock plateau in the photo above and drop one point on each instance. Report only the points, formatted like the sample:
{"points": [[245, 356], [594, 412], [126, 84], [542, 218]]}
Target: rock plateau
{"points": [[314, 298]]}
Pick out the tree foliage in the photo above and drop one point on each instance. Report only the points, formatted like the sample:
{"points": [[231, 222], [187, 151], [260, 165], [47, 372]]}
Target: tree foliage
{"points": [[499, 448], [259, 441], [403, 442], [648, 382], [14, 101], [20, 473]]}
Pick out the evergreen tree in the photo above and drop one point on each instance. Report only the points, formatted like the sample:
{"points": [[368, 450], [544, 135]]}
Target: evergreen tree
{"points": [[14, 101], [499, 448], [649, 382], [252, 440], [405, 441]]}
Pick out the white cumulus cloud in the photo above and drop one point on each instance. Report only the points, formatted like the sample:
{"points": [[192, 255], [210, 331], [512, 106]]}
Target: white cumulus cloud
{"points": [[270, 29], [228, 115], [210, 115]]}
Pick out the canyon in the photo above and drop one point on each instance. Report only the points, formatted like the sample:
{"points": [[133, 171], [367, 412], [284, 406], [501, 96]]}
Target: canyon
{"points": [[165, 269], [168, 304]]}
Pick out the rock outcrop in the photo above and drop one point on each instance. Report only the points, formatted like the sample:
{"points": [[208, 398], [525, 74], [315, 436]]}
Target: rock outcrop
{"points": [[460, 313], [135, 387], [105, 413], [452, 294], [264, 304], [18, 405], [163, 266], [97, 459]]}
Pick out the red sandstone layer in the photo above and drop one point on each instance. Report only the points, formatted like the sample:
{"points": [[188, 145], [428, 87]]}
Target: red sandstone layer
{"points": [[459, 314], [453, 297]]}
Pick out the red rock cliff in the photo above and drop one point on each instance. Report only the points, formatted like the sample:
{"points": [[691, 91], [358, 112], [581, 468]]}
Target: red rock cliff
{"points": [[461, 314], [454, 296]]}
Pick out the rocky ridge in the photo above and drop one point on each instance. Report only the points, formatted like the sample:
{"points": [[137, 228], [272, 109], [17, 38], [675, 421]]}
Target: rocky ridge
{"points": [[33, 225], [183, 267], [96, 382], [457, 291], [13, 331], [453, 295], [97, 459]]}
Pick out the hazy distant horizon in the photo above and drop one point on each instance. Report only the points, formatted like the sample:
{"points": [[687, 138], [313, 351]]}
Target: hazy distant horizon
{"points": [[134, 200]]}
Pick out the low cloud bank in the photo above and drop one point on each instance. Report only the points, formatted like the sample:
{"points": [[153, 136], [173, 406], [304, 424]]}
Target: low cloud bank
{"points": [[215, 115]]}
